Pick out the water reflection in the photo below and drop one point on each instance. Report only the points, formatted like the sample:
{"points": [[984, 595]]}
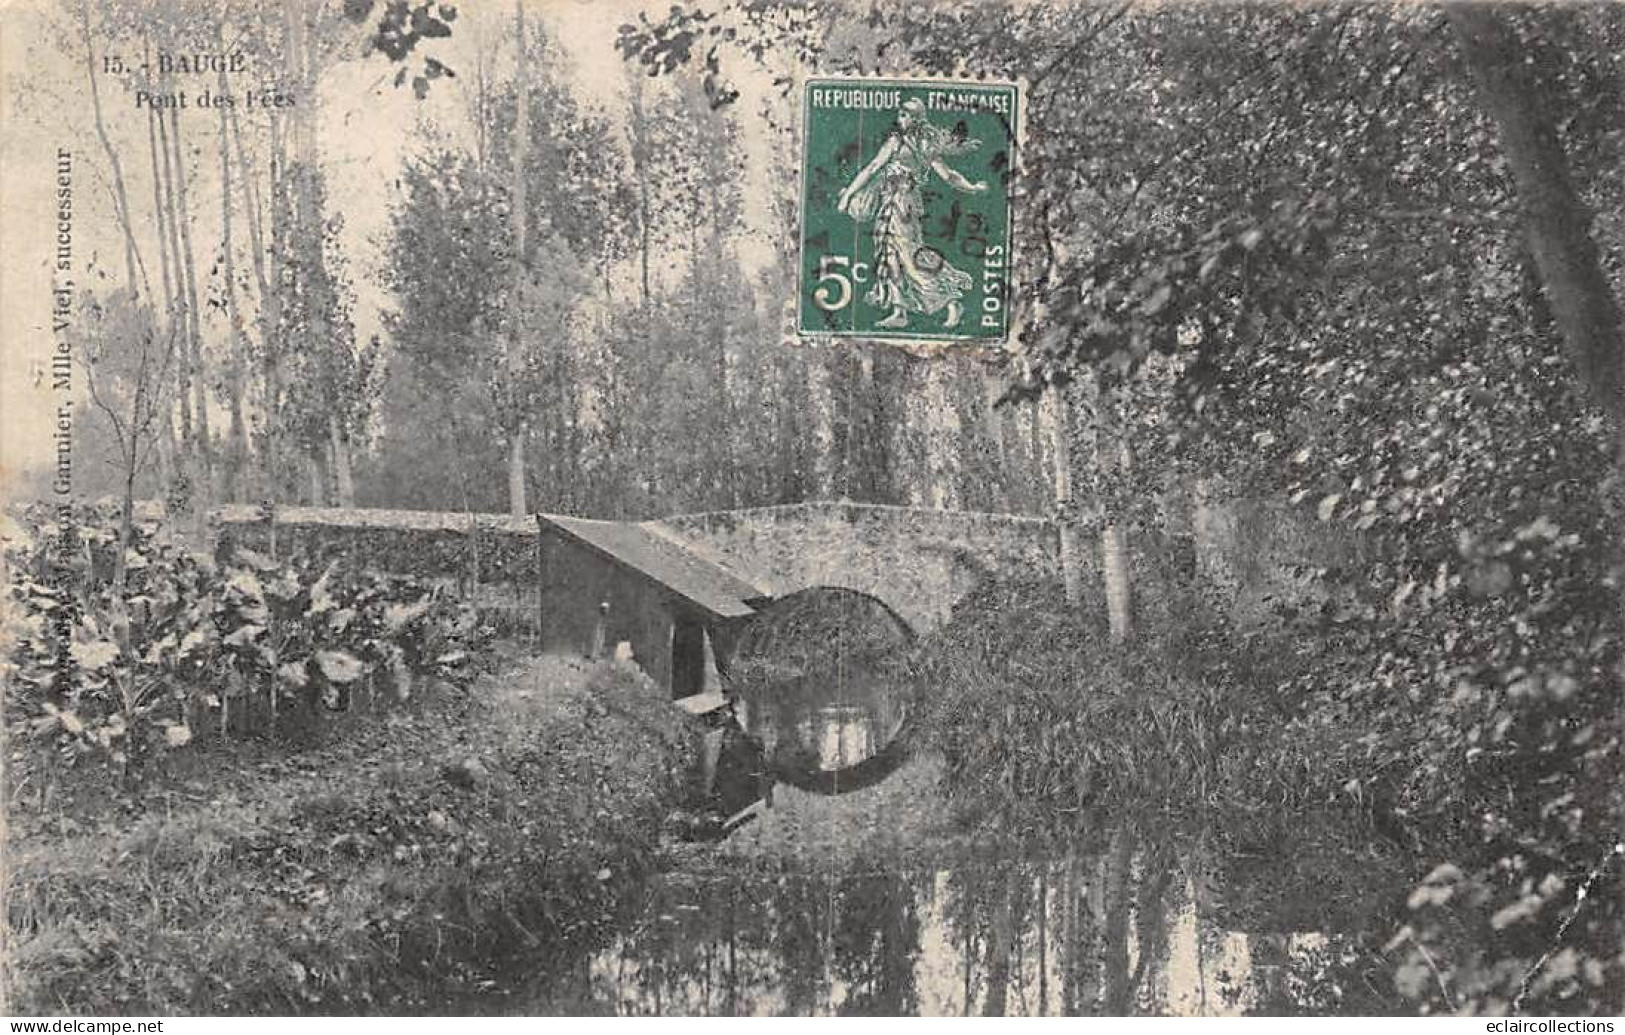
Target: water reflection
{"points": [[812, 733], [813, 683], [847, 738], [1125, 923]]}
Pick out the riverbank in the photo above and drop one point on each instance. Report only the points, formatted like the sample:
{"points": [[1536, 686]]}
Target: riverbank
{"points": [[1421, 762], [415, 864]]}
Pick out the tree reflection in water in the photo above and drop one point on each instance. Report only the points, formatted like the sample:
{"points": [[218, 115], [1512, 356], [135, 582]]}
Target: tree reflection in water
{"points": [[813, 680], [1132, 921]]}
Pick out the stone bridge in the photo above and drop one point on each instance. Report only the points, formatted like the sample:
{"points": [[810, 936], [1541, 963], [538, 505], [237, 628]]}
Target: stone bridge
{"points": [[918, 562]]}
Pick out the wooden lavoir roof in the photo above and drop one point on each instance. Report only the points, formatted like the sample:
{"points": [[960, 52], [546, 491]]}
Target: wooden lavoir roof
{"points": [[659, 559]]}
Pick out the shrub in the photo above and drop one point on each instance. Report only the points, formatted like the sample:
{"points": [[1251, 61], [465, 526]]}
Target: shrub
{"points": [[238, 642]]}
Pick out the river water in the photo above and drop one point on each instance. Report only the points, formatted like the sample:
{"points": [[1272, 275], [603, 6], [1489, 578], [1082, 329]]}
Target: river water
{"points": [[861, 891], [854, 904]]}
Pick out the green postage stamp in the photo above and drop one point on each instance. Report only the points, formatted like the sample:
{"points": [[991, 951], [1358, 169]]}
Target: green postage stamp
{"points": [[905, 209]]}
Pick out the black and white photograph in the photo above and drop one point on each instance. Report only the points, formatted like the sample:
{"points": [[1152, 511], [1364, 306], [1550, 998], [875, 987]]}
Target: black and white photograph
{"points": [[812, 508]]}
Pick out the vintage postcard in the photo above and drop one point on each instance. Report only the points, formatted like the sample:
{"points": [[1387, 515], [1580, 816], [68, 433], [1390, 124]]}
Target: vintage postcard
{"points": [[860, 507]]}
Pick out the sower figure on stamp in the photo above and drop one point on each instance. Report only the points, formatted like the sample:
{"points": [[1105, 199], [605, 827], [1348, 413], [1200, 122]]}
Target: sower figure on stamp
{"points": [[910, 275]]}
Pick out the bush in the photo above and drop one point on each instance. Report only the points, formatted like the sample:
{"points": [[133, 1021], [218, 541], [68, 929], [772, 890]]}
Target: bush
{"points": [[1491, 762], [501, 834], [1039, 715], [241, 642]]}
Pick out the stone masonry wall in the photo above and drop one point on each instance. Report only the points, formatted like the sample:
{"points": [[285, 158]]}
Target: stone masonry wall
{"points": [[918, 562]]}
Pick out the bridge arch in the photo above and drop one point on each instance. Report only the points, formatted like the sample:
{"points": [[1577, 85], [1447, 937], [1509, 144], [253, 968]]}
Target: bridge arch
{"points": [[918, 562], [832, 595], [819, 680]]}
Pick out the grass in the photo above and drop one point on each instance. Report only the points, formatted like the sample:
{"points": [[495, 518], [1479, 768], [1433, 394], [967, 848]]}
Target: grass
{"points": [[420, 865], [1041, 719]]}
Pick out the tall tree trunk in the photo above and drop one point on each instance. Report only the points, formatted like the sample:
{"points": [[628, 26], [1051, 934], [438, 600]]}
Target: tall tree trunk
{"points": [[1199, 881], [1000, 936], [177, 307], [164, 446], [170, 461], [121, 198], [1151, 923], [1072, 929], [968, 927], [126, 531], [1043, 940], [318, 482], [200, 404], [789, 476], [1054, 420], [727, 466], [1040, 494], [640, 169], [302, 235], [942, 430], [1091, 947], [517, 505], [1556, 222], [482, 93], [868, 443], [821, 410], [270, 307], [993, 447], [343, 481], [130, 446], [160, 217], [1117, 904], [1112, 466], [277, 262], [237, 467], [1114, 560]]}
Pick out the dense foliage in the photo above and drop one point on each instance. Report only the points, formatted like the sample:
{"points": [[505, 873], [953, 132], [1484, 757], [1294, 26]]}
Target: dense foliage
{"points": [[1279, 252], [193, 643]]}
